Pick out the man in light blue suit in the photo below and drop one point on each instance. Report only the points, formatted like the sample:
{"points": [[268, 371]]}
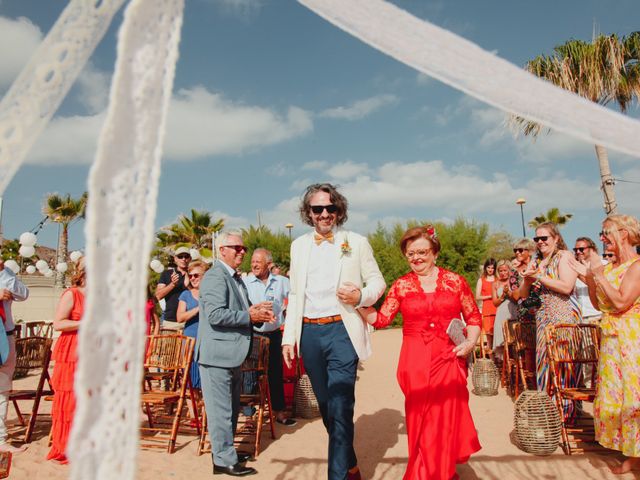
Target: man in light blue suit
{"points": [[224, 341]]}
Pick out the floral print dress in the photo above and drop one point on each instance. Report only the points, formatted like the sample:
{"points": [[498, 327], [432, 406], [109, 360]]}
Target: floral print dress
{"points": [[617, 404]]}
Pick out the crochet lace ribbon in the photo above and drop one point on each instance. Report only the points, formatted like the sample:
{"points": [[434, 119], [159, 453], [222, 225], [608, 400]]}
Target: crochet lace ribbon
{"points": [[43, 83], [123, 186], [465, 66]]}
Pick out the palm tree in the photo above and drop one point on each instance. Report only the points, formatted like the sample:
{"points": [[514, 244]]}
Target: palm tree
{"points": [[552, 215], [63, 211], [603, 71], [197, 231]]}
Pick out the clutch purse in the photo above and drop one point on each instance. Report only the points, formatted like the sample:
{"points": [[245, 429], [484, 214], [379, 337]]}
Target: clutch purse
{"points": [[455, 330]]}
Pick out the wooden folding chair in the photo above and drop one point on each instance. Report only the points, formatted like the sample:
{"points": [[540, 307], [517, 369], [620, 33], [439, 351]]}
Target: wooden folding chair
{"points": [[32, 353], [570, 347], [257, 366], [524, 336], [161, 356], [509, 376], [173, 354], [38, 329]]}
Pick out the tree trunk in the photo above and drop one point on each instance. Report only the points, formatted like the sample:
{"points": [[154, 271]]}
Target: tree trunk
{"points": [[607, 182], [62, 253]]}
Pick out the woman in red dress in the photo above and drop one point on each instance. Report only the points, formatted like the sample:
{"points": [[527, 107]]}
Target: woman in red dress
{"points": [[484, 288], [432, 371], [67, 319]]}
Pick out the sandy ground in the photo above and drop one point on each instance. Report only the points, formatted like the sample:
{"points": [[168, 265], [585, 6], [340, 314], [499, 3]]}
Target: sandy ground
{"points": [[300, 451]]}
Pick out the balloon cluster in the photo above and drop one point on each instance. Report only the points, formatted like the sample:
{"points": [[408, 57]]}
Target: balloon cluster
{"points": [[28, 250]]}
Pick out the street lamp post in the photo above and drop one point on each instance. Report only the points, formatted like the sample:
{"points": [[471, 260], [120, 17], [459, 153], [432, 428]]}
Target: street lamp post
{"points": [[289, 226], [521, 201]]}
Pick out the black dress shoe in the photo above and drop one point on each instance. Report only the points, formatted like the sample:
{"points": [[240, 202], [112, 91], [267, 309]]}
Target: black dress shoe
{"points": [[243, 457], [289, 422], [236, 470]]}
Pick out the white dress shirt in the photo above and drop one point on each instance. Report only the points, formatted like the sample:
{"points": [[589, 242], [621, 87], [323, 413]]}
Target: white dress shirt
{"points": [[320, 294]]}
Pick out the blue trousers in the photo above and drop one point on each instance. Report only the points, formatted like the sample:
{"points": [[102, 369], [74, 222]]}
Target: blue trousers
{"points": [[331, 363]]}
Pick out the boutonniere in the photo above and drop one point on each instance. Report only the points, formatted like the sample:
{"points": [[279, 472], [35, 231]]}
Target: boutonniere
{"points": [[345, 248]]}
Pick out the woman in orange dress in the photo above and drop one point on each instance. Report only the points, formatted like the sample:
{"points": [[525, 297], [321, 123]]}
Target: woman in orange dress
{"points": [[432, 370], [67, 319], [484, 288]]}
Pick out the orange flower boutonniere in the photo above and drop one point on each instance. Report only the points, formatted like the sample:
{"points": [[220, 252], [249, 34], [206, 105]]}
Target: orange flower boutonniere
{"points": [[345, 248]]}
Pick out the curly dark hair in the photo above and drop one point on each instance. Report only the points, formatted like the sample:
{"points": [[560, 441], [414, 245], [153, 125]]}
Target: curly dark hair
{"points": [[336, 197]]}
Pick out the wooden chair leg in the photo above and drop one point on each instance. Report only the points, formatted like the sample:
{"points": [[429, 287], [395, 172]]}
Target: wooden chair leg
{"points": [[203, 432], [19, 413], [270, 413]]}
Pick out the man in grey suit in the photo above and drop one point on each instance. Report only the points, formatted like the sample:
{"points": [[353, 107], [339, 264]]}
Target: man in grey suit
{"points": [[224, 341]]}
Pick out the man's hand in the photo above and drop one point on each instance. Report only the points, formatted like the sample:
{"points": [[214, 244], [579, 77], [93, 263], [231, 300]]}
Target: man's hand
{"points": [[175, 278], [349, 293], [5, 294], [288, 354], [261, 313]]}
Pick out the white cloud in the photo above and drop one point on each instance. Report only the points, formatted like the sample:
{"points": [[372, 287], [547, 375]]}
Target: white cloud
{"points": [[360, 108], [347, 170], [315, 165], [203, 124], [245, 8], [200, 124], [18, 40], [93, 87], [277, 170], [423, 79]]}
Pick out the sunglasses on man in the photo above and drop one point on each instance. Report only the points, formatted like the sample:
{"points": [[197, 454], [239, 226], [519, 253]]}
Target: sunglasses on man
{"points": [[237, 248], [183, 256], [318, 209]]}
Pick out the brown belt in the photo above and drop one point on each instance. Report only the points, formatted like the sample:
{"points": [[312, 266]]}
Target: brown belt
{"points": [[322, 320]]}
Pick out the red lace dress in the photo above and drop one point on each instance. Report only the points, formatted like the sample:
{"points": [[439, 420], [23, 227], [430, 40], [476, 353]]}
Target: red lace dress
{"points": [[64, 400], [434, 381]]}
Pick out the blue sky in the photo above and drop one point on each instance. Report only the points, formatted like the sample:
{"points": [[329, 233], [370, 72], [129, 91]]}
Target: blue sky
{"points": [[269, 97]]}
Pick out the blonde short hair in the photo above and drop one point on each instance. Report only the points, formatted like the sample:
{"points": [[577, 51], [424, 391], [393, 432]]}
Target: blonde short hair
{"points": [[629, 224]]}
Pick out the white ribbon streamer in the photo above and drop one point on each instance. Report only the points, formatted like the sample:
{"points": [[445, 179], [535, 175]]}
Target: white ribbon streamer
{"points": [[467, 67], [43, 83], [123, 187]]}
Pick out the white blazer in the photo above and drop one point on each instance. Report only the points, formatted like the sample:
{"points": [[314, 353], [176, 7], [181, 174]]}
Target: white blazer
{"points": [[357, 266]]}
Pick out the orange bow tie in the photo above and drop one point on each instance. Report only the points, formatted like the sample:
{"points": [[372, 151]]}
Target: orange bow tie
{"points": [[321, 238]]}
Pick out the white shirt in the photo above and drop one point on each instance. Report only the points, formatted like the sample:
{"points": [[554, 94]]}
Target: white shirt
{"points": [[582, 294], [232, 272], [320, 293], [9, 281]]}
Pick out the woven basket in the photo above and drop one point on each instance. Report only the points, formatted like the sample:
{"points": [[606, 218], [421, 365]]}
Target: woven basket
{"points": [[537, 423], [5, 464], [485, 378], [304, 400]]}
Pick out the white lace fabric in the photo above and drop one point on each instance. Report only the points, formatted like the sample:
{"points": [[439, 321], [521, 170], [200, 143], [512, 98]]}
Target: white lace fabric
{"points": [[123, 187], [36, 94], [467, 67]]}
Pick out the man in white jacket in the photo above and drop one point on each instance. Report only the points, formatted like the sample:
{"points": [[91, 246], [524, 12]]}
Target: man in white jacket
{"points": [[333, 272], [11, 289]]}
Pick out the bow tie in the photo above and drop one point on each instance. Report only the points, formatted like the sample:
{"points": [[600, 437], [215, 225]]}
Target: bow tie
{"points": [[321, 238]]}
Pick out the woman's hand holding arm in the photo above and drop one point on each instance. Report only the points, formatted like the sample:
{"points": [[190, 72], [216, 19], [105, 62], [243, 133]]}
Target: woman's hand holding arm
{"points": [[183, 315]]}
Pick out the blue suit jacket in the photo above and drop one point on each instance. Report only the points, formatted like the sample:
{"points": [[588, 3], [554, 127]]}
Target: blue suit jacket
{"points": [[224, 329]]}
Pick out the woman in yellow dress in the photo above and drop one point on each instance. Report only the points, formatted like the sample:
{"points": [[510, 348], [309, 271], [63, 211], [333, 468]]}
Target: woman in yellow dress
{"points": [[617, 291]]}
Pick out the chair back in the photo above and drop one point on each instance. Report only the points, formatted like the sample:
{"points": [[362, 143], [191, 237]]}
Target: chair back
{"points": [[31, 353], [169, 352], [37, 329], [258, 358], [572, 345]]}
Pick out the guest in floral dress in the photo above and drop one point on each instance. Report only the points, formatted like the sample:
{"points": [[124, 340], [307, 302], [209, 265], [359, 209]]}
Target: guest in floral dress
{"points": [[556, 279], [617, 289]]}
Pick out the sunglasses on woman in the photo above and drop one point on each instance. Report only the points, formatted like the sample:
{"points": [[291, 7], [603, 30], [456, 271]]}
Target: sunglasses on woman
{"points": [[195, 275], [519, 250], [608, 255], [318, 209], [580, 249], [541, 238]]}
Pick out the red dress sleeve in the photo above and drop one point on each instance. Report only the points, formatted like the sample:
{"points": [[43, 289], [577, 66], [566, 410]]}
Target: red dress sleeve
{"points": [[469, 307], [389, 307]]}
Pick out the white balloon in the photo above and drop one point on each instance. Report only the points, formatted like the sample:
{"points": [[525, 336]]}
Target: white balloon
{"points": [[195, 254], [62, 267], [48, 273], [12, 265], [27, 251], [28, 239], [159, 269], [42, 266], [31, 269], [75, 256]]}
